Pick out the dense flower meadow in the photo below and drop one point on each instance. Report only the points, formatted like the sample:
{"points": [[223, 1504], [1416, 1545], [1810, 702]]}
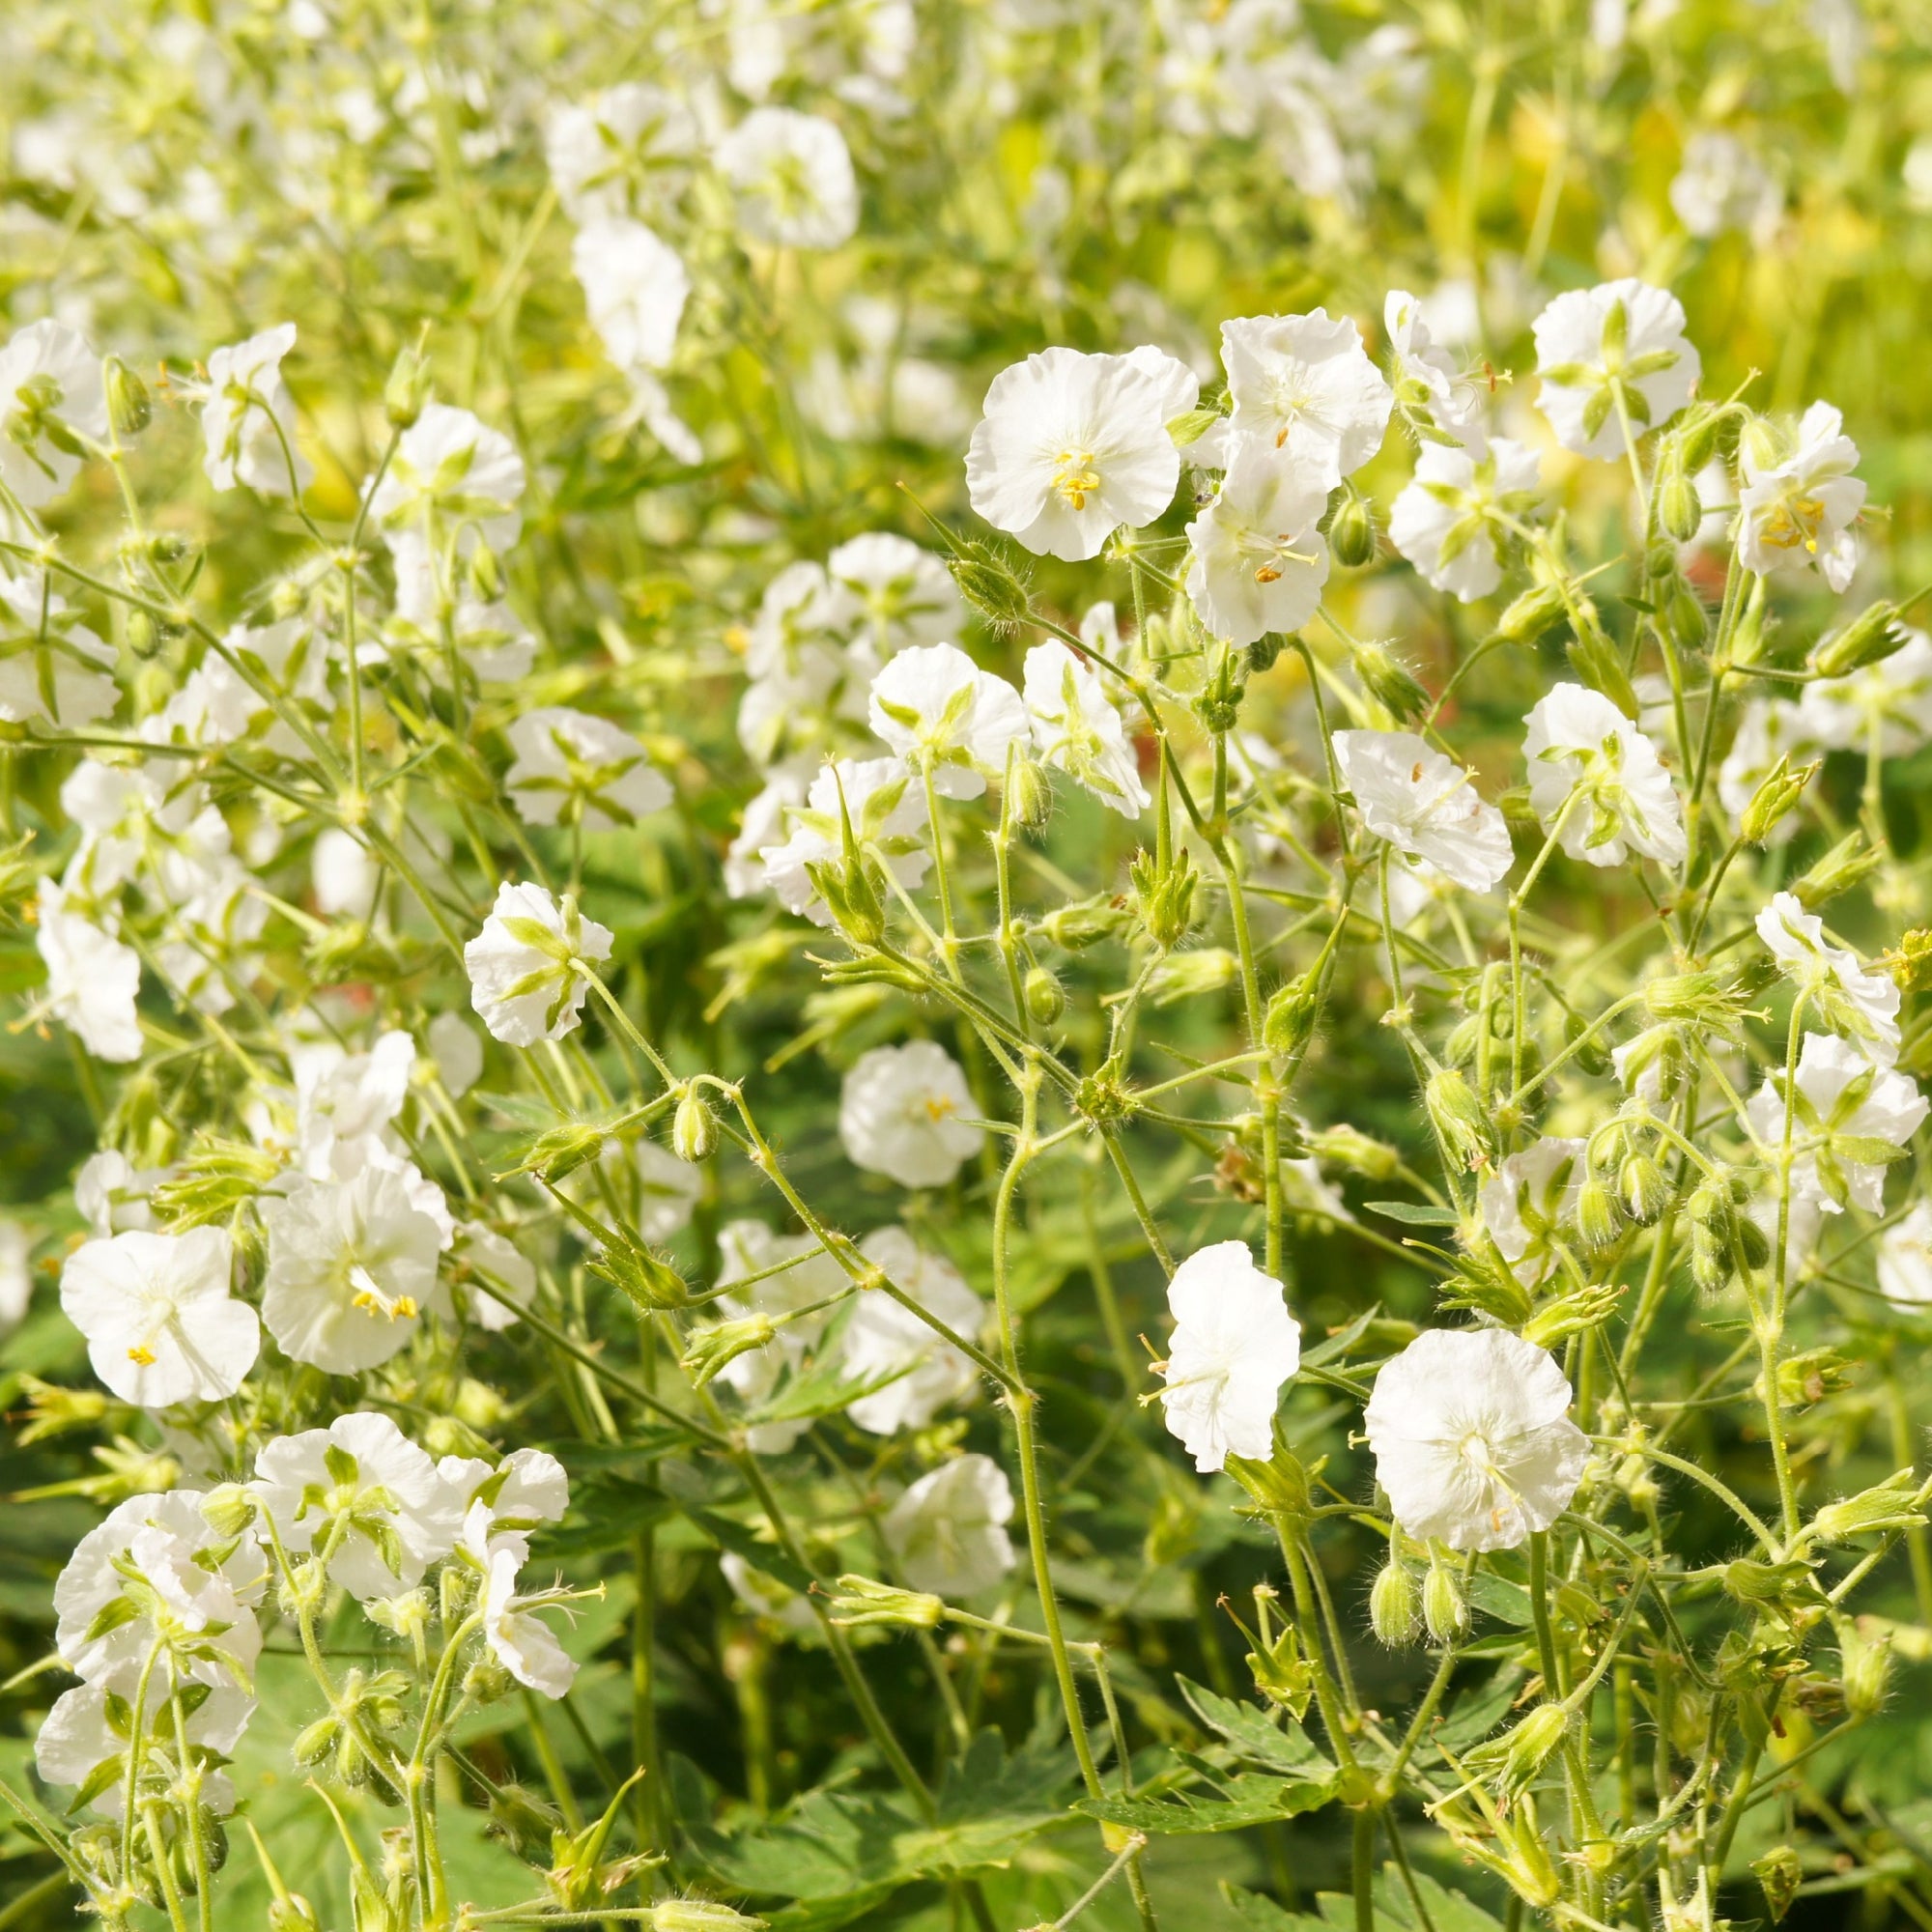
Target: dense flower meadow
{"points": [[966, 965]]}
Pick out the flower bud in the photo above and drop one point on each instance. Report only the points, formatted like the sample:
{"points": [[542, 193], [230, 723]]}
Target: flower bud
{"points": [[1348, 1147], [1679, 507], [1045, 997], [229, 1509], [859, 1601], [1596, 660], [1528, 1746], [1389, 683], [1642, 1188], [1262, 653], [1772, 801], [987, 582], [1528, 615], [485, 574], [1685, 617], [316, 1741], [130, 407], [1763, 444], [1458, 1116], [292, 1913], [1866, 1668], [694, 1128], [1748, 635], [1779, 1872], [1291, 1019], [1394, 1604], [714, 1345], [700, 1914], [1848, 865], [1697, 434], [1351, 532], [1446, 1615], [1894, 1504], [1596, 1213], [1166, 898], [407, 390], [650, 1283], [1870, 637], [1084, 923], [1030, 793]]}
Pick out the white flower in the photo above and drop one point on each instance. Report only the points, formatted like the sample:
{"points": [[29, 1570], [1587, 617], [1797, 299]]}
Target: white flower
{"points": [[884, 1337], [949, 1529], [899, 1114], [793, 177], [53, 669], [451, 474], [1427, 377], [785, 1277], [762, 824], [482, 1251], [398, 1514], [573, 769], [765, 1596], [92, 978], [1303, 385], [1721, 184], [50, 382], [16, 1275], [504, 1501], [344, 1101], [352, 1265], [1800, 511], [1449, 520], [249, 417], [1530, 1204], [528, 967], [1425, 806], [599, 150], [634, 288], [1770, 728], [1069, 449], [344, 875], [1892, 698], [114, 1195], [906, 595], [1078, 730], [1234, 1345], [1905, 1259], [1256, 560], [1472, 1438], [197, 1611], [162, 1327], [523, 1643], [1582, 747], [1841, 991], [1621, 341], [88, 1726], [457, 1052], [888, 816], [941, 714], [1841, 1094]]}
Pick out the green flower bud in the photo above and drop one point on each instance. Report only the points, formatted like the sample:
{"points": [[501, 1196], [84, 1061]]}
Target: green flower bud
{"points": [[316, 1741], [485, 574], [1030, 793], [1685, 617], [987, 582], [1290, 1021], [1596, 1213], [229, 1509], [1446, 1615], [1045, 997], [1526, 1750], [407, 390], [292, 1913], [715, 1345], [1870, 637], [1763, 442], [1660, 561], [1697, 438], [1165, 899], [1748, 638], [559, 1150], [1642, 1188], [1084, 923], [1351, 532], [1530, 615], [1361, 1154], [1679, 507], [650, 1284], [1394, 1605], [1596, 661], [1777, 793], [1848, 865], [1779, 1872], [1458, 1116], [1262, 653], [859, 1601], [700, 1914], [1894, 1504], [1866, 1668], [130, 407], [1389, 683], [694, 1128]]}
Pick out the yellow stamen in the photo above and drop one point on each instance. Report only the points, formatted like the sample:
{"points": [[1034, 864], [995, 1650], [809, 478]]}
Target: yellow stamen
{"points": [[144, 1357], [1076, 479]]}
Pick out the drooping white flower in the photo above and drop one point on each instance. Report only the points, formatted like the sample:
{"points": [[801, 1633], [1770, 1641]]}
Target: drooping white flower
{"points": [[884, 1337], [1472, 1438], [941, 714], [634, 288], [528, 967], [1078, 730], [629, 143], [1234, 1345], [344, 1101], [452, 480], [887, 812], [92, 978], [50, 383], [351, 1267], [792, 174], [1303, 387], [1424, 806], [1582, 747], [764, 1596], [900, 1114], [905, 594], [1427, 377], [573, 769], [1450, 520], [89, 1727], [1905, 1259], [1799, 512], [114, 1195], [249, 417], [1070, 447], [1622, 342], [1529, 1205], [519, 1639], [398, 1515], [1850, 1000], [189, 1592], [160, 1324], [948, 1531], [504, 1501], [1841, 1095], [1256, 560], [1891, 699]]}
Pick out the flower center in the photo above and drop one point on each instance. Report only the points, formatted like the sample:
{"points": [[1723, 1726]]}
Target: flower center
{"points": [[1793, 523], [1075, 477], [373, 1301], [937, 1108]]}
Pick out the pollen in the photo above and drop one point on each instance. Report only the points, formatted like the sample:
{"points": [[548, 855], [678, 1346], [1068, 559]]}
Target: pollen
{"points": [[1075, 478], [143, 1356]]}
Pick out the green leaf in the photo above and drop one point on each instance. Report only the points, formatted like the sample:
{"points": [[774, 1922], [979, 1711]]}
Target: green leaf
{"points": [[1413, 1213], [737, 1538], [1249, 1730], [1508, 1603], [1254, 1800]]}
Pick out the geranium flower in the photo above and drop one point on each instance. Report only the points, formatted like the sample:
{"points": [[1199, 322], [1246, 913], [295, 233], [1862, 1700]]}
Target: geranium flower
{"points": [[941, 714], [1620, 342], [899, 1114], [1234, 1345], [1424, 806], [1582, 747], [949, 1529], [1303, 387], [1256, 560], [528, 967]]}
